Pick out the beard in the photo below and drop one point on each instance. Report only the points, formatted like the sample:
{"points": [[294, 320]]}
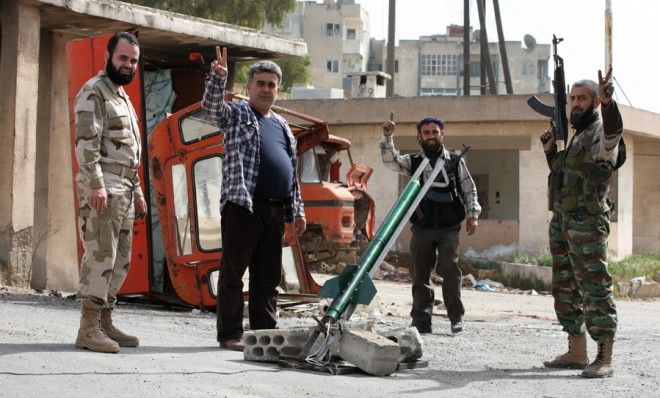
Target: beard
{"points": [[581, 120], [119, 78], [431, 147]]}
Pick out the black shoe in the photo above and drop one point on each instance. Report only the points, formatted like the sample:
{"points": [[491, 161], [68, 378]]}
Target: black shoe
{"points": [[422, 329], [457, 327]]}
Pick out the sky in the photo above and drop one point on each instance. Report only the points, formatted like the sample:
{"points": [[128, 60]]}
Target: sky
{"points": [[635, 35]]}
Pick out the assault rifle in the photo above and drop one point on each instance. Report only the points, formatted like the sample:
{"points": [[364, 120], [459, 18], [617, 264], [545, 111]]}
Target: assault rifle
{"points": [[557, 112]]}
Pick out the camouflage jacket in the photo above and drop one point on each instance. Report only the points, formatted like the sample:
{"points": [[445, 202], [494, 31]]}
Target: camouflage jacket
{"points": [[107, 133]]}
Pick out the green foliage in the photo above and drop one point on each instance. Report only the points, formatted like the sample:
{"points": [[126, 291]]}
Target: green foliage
{"points": [[249, 13], [294, 71], [634, 266]]}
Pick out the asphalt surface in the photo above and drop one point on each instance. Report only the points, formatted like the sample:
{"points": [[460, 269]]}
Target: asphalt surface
{"points": [[500, 353]]}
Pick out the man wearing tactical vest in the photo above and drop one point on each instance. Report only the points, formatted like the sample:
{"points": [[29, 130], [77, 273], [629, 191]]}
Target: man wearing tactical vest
{"points": [[437, 220], [108, 153], [578, 188]]}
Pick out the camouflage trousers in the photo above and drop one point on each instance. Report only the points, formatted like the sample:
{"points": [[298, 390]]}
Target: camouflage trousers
{"points": [[581, 284], [106, 239]]}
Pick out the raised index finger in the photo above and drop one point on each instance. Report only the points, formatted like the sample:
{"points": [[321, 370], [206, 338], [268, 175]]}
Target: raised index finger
{"points": [[218, 54], [224, 54]]}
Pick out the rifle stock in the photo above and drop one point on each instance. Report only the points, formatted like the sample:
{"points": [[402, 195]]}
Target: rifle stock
{"points": [[557, 112]]}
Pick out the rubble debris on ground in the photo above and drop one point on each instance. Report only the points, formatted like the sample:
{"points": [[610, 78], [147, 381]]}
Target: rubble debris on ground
{"points": [[640, 287], [375, 353]]}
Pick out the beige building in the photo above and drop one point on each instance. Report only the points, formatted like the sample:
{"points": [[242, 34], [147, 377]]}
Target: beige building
{"points": [[434, 65], [337, 35], [507, 163], [37, 215]]}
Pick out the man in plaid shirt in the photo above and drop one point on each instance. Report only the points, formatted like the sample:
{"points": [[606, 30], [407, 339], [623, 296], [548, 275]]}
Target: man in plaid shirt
{"points": [[260, 192]]}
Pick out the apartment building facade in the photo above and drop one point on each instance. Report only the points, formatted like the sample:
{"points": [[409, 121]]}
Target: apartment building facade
{"points": [[337, 36], [434, 64]]}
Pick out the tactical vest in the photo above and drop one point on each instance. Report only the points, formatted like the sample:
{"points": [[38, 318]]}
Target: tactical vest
{"points": [[576, 182], [441, 207]]}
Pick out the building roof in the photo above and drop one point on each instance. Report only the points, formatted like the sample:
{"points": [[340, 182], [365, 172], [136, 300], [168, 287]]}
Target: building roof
{"points": [[163, 31]]}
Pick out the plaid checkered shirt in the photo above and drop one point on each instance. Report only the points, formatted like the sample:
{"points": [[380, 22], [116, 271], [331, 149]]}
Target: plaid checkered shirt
{"points": [[240, 166]]}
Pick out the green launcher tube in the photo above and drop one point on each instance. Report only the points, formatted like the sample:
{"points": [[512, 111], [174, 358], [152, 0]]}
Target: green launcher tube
{"points": [[360, 289]]}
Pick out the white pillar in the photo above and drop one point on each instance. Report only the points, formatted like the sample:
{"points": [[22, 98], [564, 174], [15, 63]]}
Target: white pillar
{"points": [[621, 245]]}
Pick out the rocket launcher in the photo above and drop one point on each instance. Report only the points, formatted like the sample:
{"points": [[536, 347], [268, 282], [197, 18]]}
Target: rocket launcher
{"points": [[354, 285]]}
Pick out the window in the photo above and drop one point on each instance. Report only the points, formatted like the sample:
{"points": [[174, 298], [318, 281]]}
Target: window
{"points": [[332, 66], [196, 126], [350, 34], [309, 168], [180, 190], [207, 174], [528, 68], [430, 92], [438, 64], [332, 30]]}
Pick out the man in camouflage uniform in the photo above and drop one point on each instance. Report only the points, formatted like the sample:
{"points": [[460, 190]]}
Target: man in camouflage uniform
{"points": [[108, 153], [578, 188]]}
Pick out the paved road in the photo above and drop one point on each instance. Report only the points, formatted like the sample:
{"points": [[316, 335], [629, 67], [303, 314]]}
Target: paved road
{"points": [[500, 354]]}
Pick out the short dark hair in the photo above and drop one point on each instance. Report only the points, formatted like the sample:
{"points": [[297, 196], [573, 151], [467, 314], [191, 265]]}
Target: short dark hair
{"points": [[129, 37], [265, 66], [429, 120]]}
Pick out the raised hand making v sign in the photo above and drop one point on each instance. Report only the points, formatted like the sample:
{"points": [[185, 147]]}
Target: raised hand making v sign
{"points": [[219, 66]]}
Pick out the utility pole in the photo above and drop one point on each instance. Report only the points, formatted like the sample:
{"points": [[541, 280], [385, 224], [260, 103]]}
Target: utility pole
{"points": [[485, 51], [608, 36], [505, 59], [466, 48], [389, 92]]}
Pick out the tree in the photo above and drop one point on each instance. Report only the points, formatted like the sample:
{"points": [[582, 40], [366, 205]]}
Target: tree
{"points": [[294, 71], [249, 13]]}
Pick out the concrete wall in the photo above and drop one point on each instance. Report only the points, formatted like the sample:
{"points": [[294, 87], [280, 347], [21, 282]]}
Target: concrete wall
{"points": [[624, 204], [500, 168], [646, 195]]}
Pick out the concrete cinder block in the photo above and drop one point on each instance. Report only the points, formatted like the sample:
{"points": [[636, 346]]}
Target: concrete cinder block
{"points": [[544, 274], [371, 352], [267, 345], [409, 340], [647, 290]]}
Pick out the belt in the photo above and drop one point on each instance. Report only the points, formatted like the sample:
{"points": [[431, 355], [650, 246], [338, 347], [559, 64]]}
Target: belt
{"points": [[268, 200], [122, 171]]}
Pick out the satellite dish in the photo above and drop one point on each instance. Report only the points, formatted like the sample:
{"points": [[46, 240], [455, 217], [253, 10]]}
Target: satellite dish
{"points": [[476, 35], [530, 42]]}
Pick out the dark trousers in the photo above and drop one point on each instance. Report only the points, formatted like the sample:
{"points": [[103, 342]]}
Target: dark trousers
{"points": [[254, 241], [435, 249]]}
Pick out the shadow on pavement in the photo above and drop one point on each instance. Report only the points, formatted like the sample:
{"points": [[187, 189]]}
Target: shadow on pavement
{"points": [[8, 349]]}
